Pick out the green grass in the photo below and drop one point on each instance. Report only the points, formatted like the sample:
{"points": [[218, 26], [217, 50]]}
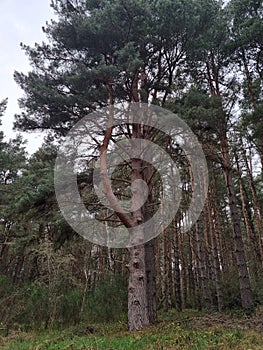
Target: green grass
{"points": [[175, 331]]}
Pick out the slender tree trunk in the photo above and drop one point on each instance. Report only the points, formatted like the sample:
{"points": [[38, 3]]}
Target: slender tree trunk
{"points": [[251, 234], [150, 258], [192, 289], [183, 268], [257, 210], [202, 268], [207, 246], [158, 271], [215, 257], [165, 257], [177, 274], [151, 280], [244, 281], [254, 102], [150, 251], [218, 230]]}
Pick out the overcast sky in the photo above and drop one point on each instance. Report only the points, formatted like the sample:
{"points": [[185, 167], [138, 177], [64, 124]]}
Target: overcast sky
{"points": [[20, 21]]}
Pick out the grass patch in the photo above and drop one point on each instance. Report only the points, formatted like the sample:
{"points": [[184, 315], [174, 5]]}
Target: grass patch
{"points": [[175, 331]]}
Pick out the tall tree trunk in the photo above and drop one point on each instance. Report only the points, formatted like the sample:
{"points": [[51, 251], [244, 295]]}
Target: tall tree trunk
{"points": [[183, 267], [165, 277], [215, 257], [138, 316], [137, 291], [192, 283], [151, 280], [207, 246], [202, 268], [251, 234], [244, 281], [150, 251], [254, 102], [218, 230], [177, 274], [257, 210], [137, 296]]}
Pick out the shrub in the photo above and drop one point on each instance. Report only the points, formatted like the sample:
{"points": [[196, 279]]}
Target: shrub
{"points": [[231, 290], [36, 311], [70, 307], [108, 300]]}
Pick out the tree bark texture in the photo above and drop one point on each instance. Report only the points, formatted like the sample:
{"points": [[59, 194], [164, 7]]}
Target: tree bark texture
{"points": [[244, 280]]}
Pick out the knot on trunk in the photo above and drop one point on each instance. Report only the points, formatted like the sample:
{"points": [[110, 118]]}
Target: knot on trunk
{"points": [[136, 264]]}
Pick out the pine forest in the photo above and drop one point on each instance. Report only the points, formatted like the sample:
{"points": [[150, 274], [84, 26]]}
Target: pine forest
{"points": [[202, 62]]}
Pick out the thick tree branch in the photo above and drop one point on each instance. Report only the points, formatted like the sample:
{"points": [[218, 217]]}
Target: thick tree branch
{"points": [[107, 189]]}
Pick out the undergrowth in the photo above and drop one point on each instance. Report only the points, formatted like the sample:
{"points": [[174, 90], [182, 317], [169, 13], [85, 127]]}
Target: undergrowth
{"points": [[184, 331]]}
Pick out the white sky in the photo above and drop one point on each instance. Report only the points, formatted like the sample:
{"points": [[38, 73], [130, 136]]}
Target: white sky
{"points": [[20, 21]]}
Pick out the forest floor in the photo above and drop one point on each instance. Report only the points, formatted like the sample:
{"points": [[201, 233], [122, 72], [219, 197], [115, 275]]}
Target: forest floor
{"points": [[189, 330]]}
